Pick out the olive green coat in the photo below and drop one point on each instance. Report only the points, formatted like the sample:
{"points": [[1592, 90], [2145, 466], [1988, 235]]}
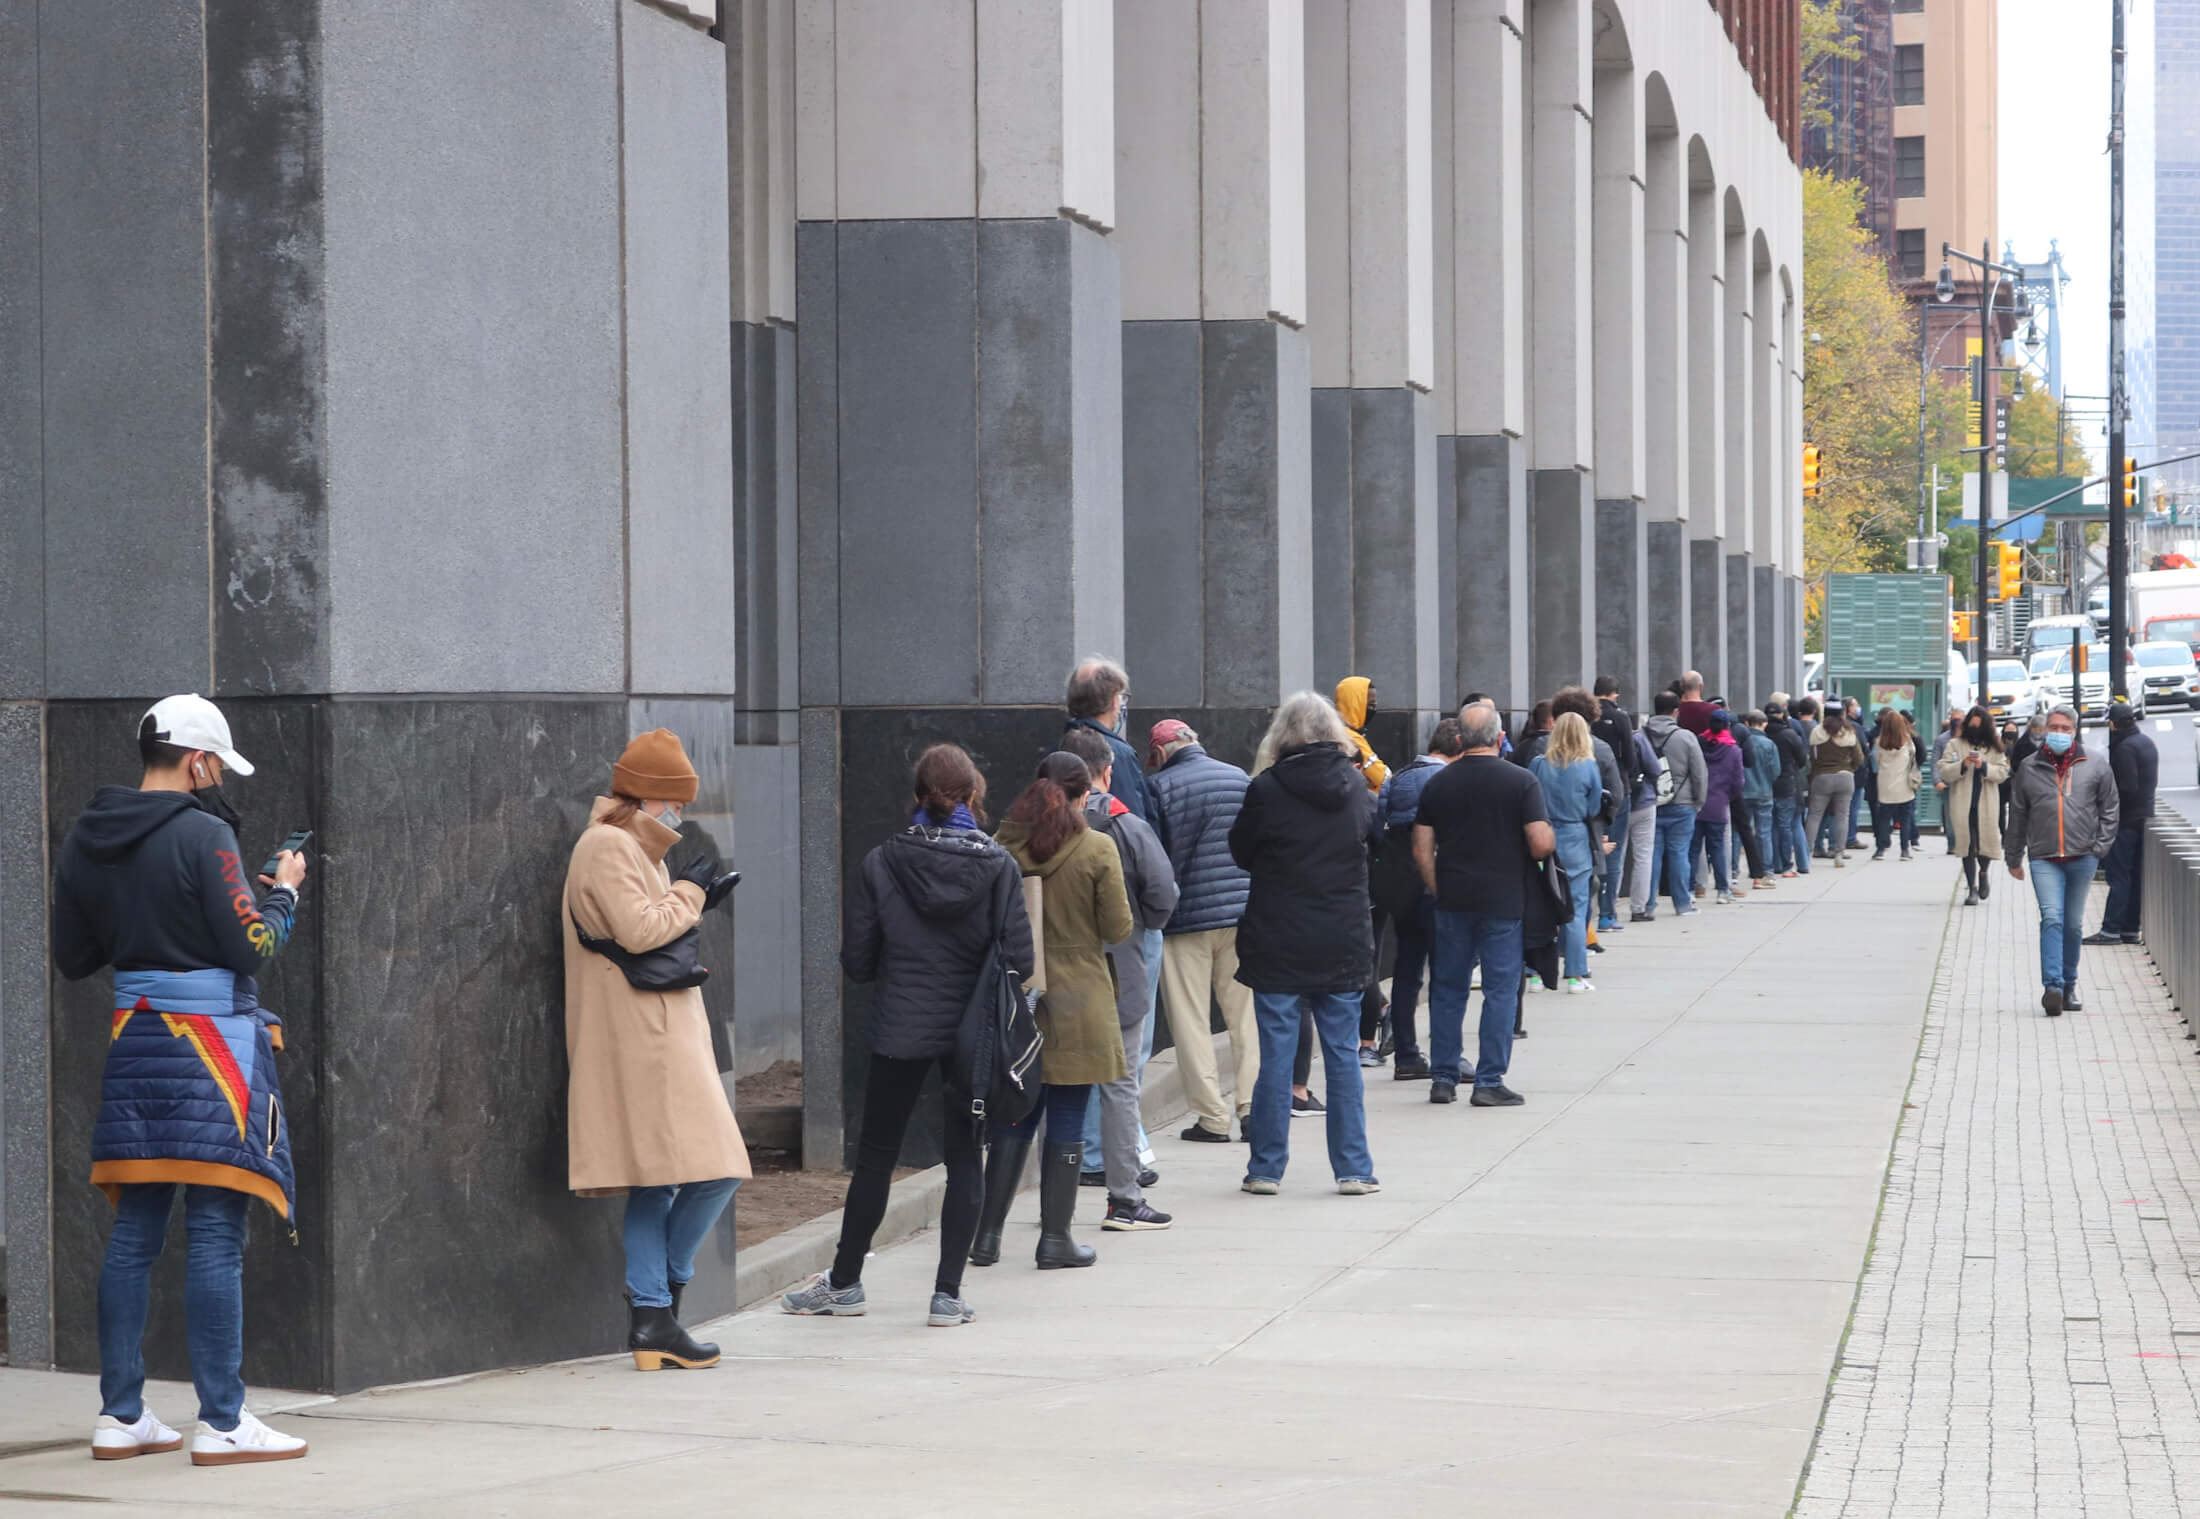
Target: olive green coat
{"points": [[1086, 911]]}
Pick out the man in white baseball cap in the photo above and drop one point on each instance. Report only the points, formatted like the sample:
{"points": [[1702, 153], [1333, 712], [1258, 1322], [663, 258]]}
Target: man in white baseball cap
{"points": [[150, 881]]}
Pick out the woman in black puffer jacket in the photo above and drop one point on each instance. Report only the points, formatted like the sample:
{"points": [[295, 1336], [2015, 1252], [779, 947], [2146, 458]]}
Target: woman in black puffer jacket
{"points": [[922, 916], [1304, 941]]}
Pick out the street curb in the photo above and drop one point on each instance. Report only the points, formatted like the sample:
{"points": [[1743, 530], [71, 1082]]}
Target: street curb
{"points": [[913, 1205]]}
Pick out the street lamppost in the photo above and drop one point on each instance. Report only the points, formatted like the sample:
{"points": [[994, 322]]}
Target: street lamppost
{"points": [[1982, 383]]}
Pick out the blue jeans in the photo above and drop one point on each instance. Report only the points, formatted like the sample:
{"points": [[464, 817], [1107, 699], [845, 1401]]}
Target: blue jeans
{"points": [[1575, 843], [2124, 857], [1668, 859], [665, 1226], [2060, 887], [1149, 951], [1414, 932], [1615, 866], [1063, 1107], [1711, 839], [1787, 837], [213, 1297], [1896, 821], [1864, 783], [1336, 1016], [1462, 940]]}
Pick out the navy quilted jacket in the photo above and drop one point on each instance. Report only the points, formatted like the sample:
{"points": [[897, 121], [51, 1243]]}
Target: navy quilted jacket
{"points": [[152, 884], [1200, 796]]}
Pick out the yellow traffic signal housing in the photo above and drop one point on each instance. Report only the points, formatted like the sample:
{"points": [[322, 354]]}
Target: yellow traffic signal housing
{"points": [[1810, 469], [2008, 571], [1960, 631], [2131, 482]]}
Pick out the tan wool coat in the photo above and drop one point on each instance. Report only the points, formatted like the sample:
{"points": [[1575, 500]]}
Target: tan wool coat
{"points": [[644, 1106], [1899, 775], [1955, 802], [1086, 911]]}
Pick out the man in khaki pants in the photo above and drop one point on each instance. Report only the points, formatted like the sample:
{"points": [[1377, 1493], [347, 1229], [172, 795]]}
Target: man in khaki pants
{"points": [[1199, 795]]}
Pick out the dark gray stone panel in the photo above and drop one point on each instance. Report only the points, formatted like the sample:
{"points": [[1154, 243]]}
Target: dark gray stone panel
{"points": [[767, 909], [1446, 493], [26, 1161], [1331, 455], [22, 481], [1562, 570], [454, 1242], [122, 175], [1244, 474], [1164, 621], [1707, 611], [1619, 614], [268, 363], [707, 726], [817, 458], [1741, 673], [1388, 511], [906, 418], [824, 1116], [1026, 434], [1490, 489], [1665, 606], [764, 524], [1771, 670], [287, 1288]]}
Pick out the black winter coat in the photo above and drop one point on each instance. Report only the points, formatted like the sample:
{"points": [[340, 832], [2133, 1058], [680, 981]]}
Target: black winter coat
{"points": [[921, 918], [1302, 837]]}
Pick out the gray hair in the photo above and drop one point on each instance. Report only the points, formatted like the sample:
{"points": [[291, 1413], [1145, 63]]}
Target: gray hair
{"points": [[1303, 721], [1480, 726], [2061, 709], [1094, 685], [1776, 698]]}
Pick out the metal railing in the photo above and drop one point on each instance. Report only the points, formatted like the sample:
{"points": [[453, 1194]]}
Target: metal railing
{"points": [[2169, 906]]}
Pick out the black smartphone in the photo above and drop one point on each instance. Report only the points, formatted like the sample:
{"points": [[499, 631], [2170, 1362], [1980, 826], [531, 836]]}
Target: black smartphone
{"points": [[292, 845]]}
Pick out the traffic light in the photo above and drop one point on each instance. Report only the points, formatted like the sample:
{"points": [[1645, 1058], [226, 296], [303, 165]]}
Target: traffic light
{"points": [[1960, 629], [2131, 483], [1810, 471], [2008, 571]]}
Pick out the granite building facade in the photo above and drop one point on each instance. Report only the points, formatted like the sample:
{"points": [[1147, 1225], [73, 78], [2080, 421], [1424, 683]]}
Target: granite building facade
{"points": [[453, 387]]}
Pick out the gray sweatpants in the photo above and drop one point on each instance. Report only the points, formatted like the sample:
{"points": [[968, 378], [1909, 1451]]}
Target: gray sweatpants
{"points": [[1119, 1101], [1830, 793], [1642, 838]]}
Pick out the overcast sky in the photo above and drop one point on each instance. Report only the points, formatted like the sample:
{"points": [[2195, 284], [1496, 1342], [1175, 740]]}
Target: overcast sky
{"points": [[2053, 122]]}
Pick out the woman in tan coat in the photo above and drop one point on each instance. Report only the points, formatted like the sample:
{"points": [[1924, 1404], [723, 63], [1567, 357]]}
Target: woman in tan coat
{"points": [[1973, 768], [1086, 909], [646, 1112]]}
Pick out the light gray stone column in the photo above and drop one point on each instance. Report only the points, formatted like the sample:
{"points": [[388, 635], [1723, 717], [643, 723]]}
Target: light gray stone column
{"points": [[1770, 452], [1666, 498], [1561, 404], [1481, 188], [1738, 386], [1707, 318], [1620, 337]]}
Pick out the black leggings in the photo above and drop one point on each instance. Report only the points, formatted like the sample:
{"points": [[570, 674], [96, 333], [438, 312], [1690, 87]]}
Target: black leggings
{"points": [[889, 1097]]}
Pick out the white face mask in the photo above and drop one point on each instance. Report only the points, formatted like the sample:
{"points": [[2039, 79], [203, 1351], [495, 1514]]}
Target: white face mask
{"points": [[670, 816]]}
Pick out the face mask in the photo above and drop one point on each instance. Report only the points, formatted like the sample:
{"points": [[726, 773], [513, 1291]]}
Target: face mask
{"points": [[214, 800], [2059, 742], [1974, 735], [670, 817]]}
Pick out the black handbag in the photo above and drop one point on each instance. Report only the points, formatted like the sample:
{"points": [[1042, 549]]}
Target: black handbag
{"points": [[672, 967], [996, 1060], [1393, 879]]}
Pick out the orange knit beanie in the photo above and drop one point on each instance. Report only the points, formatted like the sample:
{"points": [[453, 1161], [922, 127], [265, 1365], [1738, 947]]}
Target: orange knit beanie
{"points": [[655, 769]]}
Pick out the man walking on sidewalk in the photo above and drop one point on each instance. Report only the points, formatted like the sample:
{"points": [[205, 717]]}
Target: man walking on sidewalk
{"points": [[2062, 812], [1480, 825], [2133, 761]]}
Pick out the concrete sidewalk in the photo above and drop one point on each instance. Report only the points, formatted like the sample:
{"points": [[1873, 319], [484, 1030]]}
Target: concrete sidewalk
{"points": [[1622, 1299]]}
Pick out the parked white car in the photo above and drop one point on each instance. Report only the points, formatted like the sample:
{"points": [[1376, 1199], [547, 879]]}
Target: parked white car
{"points": [[2008, 689], [2051, 682], [2165, 673]]}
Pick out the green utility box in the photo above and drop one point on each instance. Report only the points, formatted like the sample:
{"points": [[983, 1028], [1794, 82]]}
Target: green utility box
{"points": [[1887, 646]]}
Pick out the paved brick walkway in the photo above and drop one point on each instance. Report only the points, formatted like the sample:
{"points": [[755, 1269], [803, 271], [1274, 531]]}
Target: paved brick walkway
{"points": [[2021, 1333]]}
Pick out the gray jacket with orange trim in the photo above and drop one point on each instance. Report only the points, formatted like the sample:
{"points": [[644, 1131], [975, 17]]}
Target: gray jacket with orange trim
{"points": [[2060, 815]]}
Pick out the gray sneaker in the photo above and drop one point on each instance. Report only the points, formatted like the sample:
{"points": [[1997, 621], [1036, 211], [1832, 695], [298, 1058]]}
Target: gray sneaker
{"points": [[819, 1296], [949, 1311], [1358, 1186], [1259, 1186]]}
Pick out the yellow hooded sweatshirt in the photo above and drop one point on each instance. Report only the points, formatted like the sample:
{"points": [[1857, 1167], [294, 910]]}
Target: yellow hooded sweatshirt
{"points": [[1352, 707]]}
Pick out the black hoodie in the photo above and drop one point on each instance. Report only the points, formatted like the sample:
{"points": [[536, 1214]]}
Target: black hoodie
{"points": [[1301, 835], [923, 912], [149, 880]]}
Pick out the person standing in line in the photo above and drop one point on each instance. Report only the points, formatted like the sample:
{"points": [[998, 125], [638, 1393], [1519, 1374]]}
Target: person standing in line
{"points": [[1201, 796], [1085, 909], [924, 913], [1693, 714], [2135, 763], [1151, 887], [1355, 701], [1724, 778], [646, 1112], [1098, 695], [1835, 758], [1611, 797], [1803, 722], [1972, 770], [1895, 781], [2063, 814], [1573, 792], [150, 880], [1303, 944], [1792, 777], [1395, 810], [1853, 711], [1642, 831], [1479, 828], [1616, 729], [1761, 769], [1534, 733], [1680, 792]]}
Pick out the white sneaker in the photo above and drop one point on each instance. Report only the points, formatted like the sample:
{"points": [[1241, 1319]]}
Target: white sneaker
{"points": [[1474, 982], [249, 1441], [113, 1440], [1576, 985], [1726, 898]]}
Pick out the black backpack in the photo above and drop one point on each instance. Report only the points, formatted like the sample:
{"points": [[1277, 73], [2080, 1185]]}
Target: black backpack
{"points": [[996, 1060]]}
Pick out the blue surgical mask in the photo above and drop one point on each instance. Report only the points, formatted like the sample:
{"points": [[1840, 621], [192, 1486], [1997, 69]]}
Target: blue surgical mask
{"points": [[2058, 741]]}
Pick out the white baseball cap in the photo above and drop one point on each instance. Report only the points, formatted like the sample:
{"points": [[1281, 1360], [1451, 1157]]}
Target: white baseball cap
{"points": [[191, 721]]}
